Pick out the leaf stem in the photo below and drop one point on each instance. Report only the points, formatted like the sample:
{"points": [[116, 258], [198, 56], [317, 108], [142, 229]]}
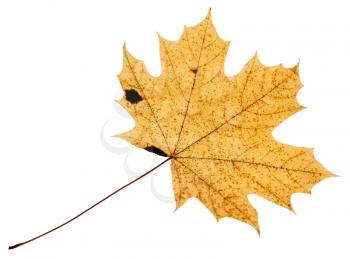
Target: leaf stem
{"points": [[91, 207]]}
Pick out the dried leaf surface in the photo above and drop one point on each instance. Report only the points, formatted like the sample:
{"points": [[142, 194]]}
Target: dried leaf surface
{"points": [[218, 129]]}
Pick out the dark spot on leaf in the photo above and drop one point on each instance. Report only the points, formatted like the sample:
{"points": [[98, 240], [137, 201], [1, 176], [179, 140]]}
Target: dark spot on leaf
{"points": [[194, 71], [133, 96], [156, 150]]}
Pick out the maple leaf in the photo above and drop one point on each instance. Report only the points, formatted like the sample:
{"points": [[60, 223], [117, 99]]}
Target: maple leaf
{"points": [[217, 130]]}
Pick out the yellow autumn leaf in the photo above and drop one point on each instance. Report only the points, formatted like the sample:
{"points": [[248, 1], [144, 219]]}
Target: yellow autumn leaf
{"points": [[217, 130]]}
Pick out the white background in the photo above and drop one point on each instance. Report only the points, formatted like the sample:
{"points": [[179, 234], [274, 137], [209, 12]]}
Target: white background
{"points": [[58, 66]]}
